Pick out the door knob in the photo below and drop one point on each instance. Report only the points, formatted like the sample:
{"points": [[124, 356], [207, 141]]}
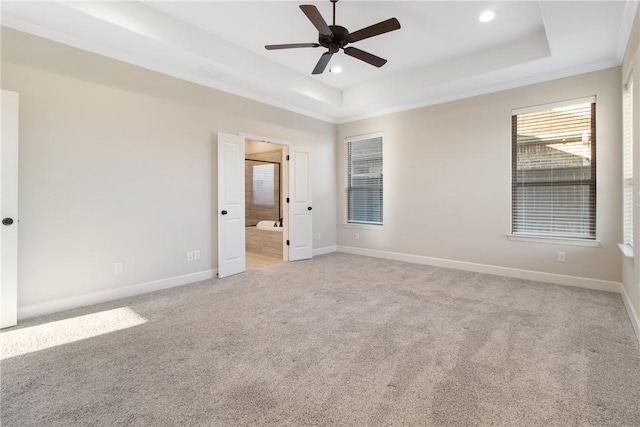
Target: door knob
{"points": [[224, 212], [309, 208], [7, 221]]}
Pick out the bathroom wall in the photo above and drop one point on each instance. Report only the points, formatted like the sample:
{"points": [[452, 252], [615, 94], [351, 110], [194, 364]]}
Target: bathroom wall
{"points": [[256, 207]]}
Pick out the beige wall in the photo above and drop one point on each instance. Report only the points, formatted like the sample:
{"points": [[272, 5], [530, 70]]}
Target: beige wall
{"points": [[117, 163], [631, 68], [447, 184]]}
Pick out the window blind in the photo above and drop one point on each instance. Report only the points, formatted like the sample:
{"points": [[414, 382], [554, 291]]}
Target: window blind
{"points": [[553, 171], [364, 180], [627, 164], [264, 175]]}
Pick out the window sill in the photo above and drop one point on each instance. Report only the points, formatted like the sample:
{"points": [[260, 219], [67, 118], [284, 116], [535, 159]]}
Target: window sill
{"points": [[363, 226], [627, 250], [554, 240]]}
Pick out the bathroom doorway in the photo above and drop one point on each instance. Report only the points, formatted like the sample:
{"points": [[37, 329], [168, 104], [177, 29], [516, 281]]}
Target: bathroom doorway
{"points": [[264, 203], [295, 200]]}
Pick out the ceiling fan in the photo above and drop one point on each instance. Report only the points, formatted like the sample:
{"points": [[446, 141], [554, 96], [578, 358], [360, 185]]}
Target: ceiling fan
{"points": [[334, 37]]}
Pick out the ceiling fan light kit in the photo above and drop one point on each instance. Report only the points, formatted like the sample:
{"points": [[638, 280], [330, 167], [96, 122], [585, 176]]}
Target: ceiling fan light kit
{"points": [[335, 37]]}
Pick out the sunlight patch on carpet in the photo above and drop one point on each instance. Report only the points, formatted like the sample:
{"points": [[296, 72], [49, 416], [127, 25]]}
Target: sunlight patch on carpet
{"points": [[35, 338]]}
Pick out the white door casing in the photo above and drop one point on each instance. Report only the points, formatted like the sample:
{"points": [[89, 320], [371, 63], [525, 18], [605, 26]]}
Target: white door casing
{"points": [[284, 190], [300, 206], [231, 205], [9, 210]]}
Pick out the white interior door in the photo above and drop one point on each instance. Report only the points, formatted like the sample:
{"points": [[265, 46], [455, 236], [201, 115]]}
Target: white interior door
{"points": [[300, 207], [9, 211], [231, 215]]}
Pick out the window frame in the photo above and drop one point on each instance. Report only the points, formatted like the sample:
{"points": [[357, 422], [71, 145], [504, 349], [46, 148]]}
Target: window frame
{"points": [[348, 223], [532, 236], [628, 170]]}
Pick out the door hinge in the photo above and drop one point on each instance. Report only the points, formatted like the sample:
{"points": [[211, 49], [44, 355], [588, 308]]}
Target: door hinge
{"points": [[287, 243], [287, 200], [287, 157]]}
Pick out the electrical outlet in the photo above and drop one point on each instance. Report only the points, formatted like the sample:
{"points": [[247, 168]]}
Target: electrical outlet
{"points": [[562, 256], [118, 268], [319, 236], [196, 254], [190, 256], [357, 236]]}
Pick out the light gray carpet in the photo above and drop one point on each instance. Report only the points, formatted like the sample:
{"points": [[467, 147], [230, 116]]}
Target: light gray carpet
{"points": [[337, 340]]}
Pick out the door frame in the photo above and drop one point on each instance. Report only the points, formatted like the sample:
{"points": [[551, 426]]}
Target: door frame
{"points": [[284, 189]]}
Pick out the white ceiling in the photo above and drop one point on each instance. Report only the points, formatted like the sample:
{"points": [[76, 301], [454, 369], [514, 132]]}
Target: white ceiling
{"points": [[442, 52]]}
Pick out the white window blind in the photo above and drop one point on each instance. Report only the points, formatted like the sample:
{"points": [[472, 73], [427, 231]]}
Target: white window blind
{"points": [[364, 180], [553, 171], [264, 183], [627, 164]]}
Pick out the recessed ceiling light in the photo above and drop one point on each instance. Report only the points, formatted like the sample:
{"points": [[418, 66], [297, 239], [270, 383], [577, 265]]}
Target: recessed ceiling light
{"points": [[487, 16], [337, 69]]}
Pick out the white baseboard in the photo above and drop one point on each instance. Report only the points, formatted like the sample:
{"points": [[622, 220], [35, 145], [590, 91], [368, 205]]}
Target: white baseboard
{"points": [[633, 315], [559, 279], [55, 306], [325, 250]]}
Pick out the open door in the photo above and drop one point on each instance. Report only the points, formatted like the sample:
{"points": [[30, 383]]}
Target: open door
{"points": [[231, 215], [300, 207], [9, 211]]}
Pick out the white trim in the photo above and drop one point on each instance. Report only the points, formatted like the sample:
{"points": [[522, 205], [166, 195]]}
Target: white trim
{"points": [[62, 304], [554, 240], [633, 315], [345, 211], [626, 25], [325, 250], [190, 76], [558, 279], [629, 79], [485, 90], [567, 103], [627, 250], [363, 226], [372, 135], [266, 139]]}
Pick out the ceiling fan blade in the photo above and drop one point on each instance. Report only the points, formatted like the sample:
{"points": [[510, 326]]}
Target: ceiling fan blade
{"points": [[316, 19], [290, 46], [374, 30], [367, 57], [322, 63]]}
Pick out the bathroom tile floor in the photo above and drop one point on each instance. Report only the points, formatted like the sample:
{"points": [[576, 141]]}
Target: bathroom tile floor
{"points": [[256, 261]]}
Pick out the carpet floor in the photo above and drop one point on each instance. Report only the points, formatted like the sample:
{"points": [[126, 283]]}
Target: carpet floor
{"points": [[337, 340]]}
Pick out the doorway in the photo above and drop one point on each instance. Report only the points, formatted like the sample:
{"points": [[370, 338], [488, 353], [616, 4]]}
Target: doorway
{"points": [[264, 204], [295, 199]]}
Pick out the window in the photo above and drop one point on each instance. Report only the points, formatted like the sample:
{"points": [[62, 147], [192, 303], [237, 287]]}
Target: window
{"points": [[554, 170], [364, 180], [627, 164], [264, 184]]}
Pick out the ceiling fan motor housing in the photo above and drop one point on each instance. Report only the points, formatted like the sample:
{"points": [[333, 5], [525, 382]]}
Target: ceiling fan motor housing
{"points": [[337, 41]]}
